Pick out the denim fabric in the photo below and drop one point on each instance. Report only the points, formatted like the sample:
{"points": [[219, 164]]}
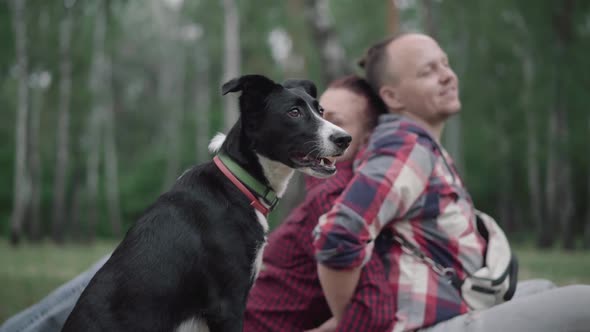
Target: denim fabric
{"points": [[50, 313]]}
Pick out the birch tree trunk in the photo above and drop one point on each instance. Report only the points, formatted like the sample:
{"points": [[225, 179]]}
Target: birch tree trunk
{"points": [[547, 235], [231, 60], [202, 103], [63, 126], [564, 209], [586, 240], [22, 185], [392, 17], [558, 194], [524, 51], [453, 134], [332, 55], [40, 83], [110, 148], [428, 18], [173, 87], [532, 150], [35, 165], [95, 122]]}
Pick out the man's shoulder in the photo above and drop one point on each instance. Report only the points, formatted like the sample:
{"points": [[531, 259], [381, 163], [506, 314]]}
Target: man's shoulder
{"points": [[393, 136]]}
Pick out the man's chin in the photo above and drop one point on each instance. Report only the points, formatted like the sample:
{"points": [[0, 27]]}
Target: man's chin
{"points": [[453, 108]]}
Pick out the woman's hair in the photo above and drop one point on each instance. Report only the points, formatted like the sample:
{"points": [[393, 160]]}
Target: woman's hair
{"points": [[361, 87]]}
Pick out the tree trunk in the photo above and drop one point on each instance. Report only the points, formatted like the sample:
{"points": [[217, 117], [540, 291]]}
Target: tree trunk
{"points": [[547, 235], [75, 218], [96, 122], [110, 148], [537, 208], [202, 103], [40, 83], [63, 126], [332, 55], [172, 95], [586, 239], [392, 17], [564, 30], [232, 59], [22, 186], [428, 18], [524, 51], [35, 164]]}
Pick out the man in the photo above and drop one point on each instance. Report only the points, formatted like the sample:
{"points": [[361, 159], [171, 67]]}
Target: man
{"points": [[406, 185]]}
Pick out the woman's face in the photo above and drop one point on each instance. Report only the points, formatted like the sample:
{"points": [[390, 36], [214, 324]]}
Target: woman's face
{"points": [[348, 111]]}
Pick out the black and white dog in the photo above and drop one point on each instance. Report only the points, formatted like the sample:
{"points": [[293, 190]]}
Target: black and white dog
{"points": [[190, 260]]}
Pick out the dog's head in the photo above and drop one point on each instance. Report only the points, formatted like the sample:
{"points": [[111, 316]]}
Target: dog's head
{"points": [[284, 123]]}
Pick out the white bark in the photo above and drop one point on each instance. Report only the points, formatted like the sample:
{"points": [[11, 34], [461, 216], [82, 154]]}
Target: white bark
{"points": [[587, 228], [95, 121], [22, 185], [110, 150], [35, 164], [63, 125], [38, 97], [202, 104], [171, 97], [232, 59], [332, 55], [532, 151], [533, 161]]}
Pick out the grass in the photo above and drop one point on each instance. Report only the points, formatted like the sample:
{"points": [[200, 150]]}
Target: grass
{"points": [[30, 272]]}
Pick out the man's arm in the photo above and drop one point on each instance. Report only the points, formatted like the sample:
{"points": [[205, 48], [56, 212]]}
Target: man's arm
{"points": [[385, 187]]}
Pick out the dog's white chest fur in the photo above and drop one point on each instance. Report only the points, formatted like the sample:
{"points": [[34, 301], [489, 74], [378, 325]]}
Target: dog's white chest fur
{"points": [[257, 264], [193, 325]]}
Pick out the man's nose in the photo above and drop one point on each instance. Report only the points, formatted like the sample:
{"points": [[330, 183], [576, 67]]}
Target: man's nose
{"points": [[447, 75]]}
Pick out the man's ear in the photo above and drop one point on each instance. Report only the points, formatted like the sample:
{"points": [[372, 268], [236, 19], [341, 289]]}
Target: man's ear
{"points": [[305, 85], [390, 97], [249, 83]]}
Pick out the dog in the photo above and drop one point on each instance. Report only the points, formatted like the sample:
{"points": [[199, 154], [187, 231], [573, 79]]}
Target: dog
{"points": [[190, 260]]}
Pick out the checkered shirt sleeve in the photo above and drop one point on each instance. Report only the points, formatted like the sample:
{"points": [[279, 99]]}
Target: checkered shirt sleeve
{"points": [[392, 175]]}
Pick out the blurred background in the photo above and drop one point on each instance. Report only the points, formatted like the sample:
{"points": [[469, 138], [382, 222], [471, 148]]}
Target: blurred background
{"points": [[104, 103]]}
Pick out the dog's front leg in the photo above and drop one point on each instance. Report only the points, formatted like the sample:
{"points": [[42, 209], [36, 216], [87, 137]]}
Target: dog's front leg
{"points": [[228, 317]]}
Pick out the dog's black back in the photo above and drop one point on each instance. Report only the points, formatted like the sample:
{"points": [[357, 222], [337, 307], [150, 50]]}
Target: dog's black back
{"points": [[188, 260]]}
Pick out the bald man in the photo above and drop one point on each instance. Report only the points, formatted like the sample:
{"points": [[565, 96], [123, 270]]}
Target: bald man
{"points": [[407, 189]]}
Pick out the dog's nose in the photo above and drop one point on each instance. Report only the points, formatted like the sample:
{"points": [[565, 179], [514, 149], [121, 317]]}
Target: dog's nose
{"points": [[342, 140]]}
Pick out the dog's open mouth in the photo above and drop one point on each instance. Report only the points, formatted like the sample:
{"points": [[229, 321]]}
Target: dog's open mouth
{"points": [[321, 164]]}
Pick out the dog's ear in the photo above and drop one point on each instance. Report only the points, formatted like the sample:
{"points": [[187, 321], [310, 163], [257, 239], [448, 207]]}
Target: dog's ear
{"points": [[260, 83], [305, 85]]}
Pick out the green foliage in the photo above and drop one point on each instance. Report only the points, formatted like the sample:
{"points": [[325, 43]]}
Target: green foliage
{"points": [[487, 42]]}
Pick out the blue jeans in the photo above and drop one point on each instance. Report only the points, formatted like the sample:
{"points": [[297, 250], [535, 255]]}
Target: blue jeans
{"points": [[51, 313], [538, 307]]}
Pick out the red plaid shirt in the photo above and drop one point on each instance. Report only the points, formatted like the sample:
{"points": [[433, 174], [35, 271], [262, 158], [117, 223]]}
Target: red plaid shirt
{"points": [[407, 185], [287, 295]]}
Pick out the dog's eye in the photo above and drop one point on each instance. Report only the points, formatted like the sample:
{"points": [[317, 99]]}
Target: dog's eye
{"points": [[294, 113], [321, 111]]}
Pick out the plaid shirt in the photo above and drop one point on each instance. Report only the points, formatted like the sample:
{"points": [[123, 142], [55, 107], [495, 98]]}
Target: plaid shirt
{"points": [[287, 295], [406, 183]]}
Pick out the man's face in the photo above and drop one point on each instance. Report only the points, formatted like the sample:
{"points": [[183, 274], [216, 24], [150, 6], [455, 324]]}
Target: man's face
{"points": [[348, 111], [426, 85]]}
